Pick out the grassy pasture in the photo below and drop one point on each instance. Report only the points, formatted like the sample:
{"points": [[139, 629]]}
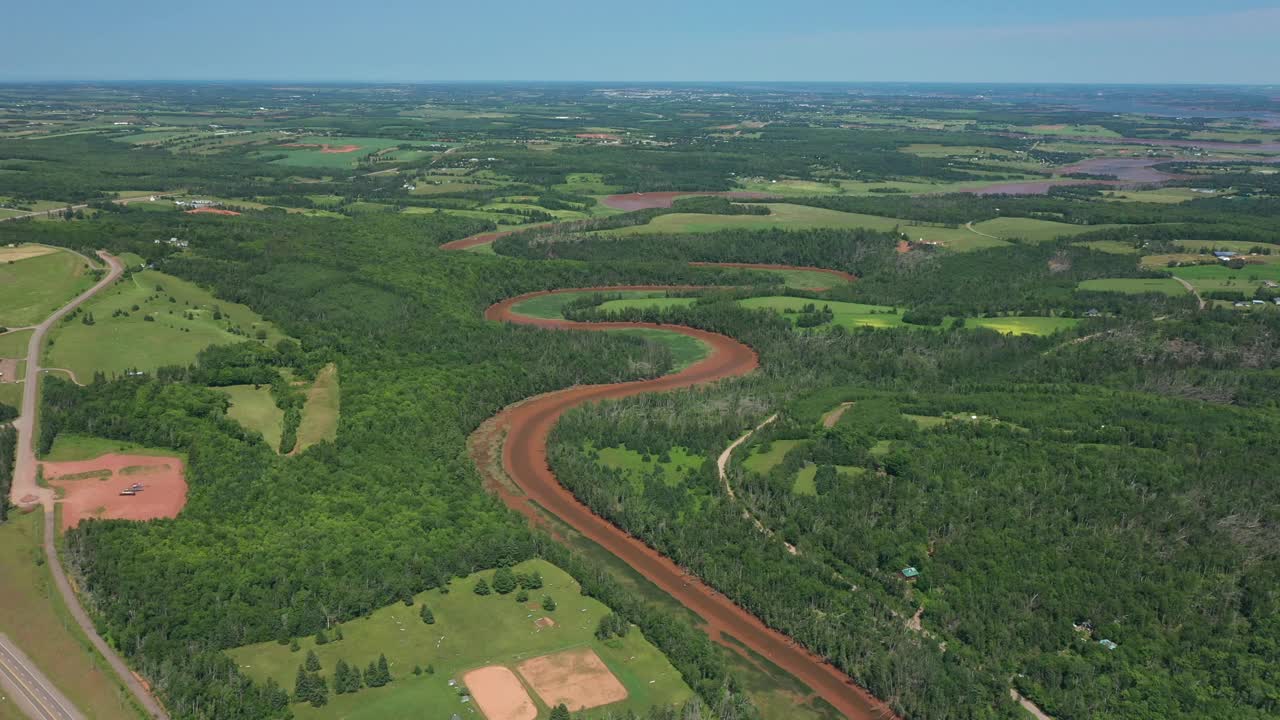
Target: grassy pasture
{"points": [[68, 446], [1113, 247], [1023, 325], [673, 471], [799, 217], [846, 314], [1168, 196], [37, 621], [1239, 246], [320, 413], [761, 461], [1033, 230], [14, 344], [651, 302], [182, 327], [255, 409], [470, 632], [32, 288], [1134, 286], [1221, 277]]}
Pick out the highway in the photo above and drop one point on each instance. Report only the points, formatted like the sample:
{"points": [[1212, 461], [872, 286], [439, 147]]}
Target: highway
{"points": [[30, 689], [26, 492]]}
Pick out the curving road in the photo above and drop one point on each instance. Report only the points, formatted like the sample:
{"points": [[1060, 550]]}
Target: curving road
{"points": [[524, 457], [28, 494]]}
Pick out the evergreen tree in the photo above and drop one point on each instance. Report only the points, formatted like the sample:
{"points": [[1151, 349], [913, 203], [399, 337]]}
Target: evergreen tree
{"points": [[321, 638], [301, 686], [337, 633], [504, 581], [319, 691], [522, 596], [277, 698], [340, 672], [428, 617], [371, 675], [548, 603], [482, 587], [384, 671], [560, 712], [534, 580], [293, 645], [313, 661]]}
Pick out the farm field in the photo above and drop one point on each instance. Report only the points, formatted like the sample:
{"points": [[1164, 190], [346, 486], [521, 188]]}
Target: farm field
{"points": [[339, 152], [846, 314], [35, 281], [1033, 230], [255, 409], [187, 319], [1171, 195], [37, 621], [469, 632], [552, 306], [1238, 246], [763, 459], [1220, 277], [14, 344], [1134, 286], [320, 413], [1113, 247], [800, 217], [661, 303], [1023, 325]]}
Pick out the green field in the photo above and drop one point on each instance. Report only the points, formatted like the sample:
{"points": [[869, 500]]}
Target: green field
{"points": [[846, 314], [32, 289], [11, 393], [1033, 230], [1239, 246], [1168, 196], [37, 621], [762, 462], [678, 466], [552, 306], [470, 632], [320, 413], [1221, 277], [314, 157], [800, 217], [807, 279], [1023, 325], [685, 350], [68, 446], [181, 328], [1134, 286], [1114, 247], [14, 344], [661, 303], [255, 409]]}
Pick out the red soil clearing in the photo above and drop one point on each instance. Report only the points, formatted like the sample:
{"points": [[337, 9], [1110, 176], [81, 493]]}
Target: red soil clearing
{"points": [[499, 694], [211, 211], [642, 201], [524, 457], [576, 678], [474, 240], [163, 495], [843, 276]]}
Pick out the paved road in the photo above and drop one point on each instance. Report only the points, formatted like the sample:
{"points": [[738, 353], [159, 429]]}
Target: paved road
{"points": [[26, 493], [30, 689]]}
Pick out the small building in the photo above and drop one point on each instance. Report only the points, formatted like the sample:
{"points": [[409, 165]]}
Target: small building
{"points": [[910, 573], [1107, 644], [1092, 312], [1223, 254]]}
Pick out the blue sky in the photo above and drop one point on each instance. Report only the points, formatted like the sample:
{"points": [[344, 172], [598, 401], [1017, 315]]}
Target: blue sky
{"points": [[839, 40]]}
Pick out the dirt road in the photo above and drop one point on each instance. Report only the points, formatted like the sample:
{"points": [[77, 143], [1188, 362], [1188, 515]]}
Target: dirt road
{"points": [[1191, 289], [27, 493], [30, 689], [524, 457]]}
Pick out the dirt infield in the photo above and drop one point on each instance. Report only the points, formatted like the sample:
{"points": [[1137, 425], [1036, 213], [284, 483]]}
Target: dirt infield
{"points": [[499, 694], [577, 678], [528, 424], [544, 622], [643, 201], [22, 252], [92, 487], [211, 211]]}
